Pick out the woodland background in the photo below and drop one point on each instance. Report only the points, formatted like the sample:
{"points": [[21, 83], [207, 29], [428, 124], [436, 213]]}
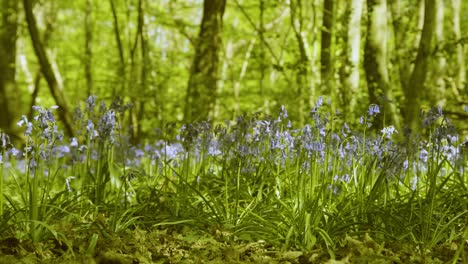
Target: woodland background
{"points": [[179, 61]]}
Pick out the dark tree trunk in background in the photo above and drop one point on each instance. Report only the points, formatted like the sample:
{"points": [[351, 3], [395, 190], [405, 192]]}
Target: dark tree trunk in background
{"points": [[8, 35], [121, 69], [302, 60], [415, 88], [46, 68], [375, 63], [202, 84], [88, 49], [139, 74], [326, 67]]}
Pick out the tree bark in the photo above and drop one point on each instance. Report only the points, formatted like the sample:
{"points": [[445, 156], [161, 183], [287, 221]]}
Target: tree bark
{"points": [[46, 68], [202, 84], [354, 51], [375, 63], [460, 77], [303, 60], [326, 69], [121, 70], [437, 92], [88, 49], [8, 35], [415, 89]]}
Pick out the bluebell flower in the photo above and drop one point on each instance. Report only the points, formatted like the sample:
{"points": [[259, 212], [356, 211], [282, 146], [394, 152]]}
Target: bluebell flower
{"points": [[14, 152], [29, 126], [414, 183], [405, 165], [139, 153], [4, 140], [283, 112], [32, 166], [453, 139], [74, 142], [319, 102], [62, 151], [423, 155], [361, 120], [346, 178], [373, 110], [213, 149], [91, 103], [389, 131]]}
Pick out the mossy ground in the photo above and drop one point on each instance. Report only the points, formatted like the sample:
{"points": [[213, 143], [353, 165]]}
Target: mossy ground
{"points": [[184, 245]]}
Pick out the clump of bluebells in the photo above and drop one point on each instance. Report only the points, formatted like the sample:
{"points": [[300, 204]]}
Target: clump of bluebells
{"points": [[228, 170]]}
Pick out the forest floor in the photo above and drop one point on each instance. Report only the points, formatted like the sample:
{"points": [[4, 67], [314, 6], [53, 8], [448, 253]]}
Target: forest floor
{"points": [[182, 245]]}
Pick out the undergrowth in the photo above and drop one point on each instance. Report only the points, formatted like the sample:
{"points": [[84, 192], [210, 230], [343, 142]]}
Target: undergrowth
{"points": [[252, 179]]}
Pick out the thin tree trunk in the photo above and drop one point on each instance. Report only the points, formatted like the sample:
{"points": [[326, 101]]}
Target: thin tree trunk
{"points": [[415, 88], [202, 85], [237, 83], [262, 57], [46, 68], [326, 55], [375, 63], [88, 48], [303, 60], [223, 77], [121, 68], [145, 61], [38, 75]]}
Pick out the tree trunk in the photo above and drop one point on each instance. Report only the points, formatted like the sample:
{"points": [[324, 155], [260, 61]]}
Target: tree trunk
{"points": [[326, 69], [415, 88], [88, 49], [437, 91], [46, 68], [354, 51], [460, 77], [375, 63], [121, 71], [202, 84], [303, 60], [8, 35]]}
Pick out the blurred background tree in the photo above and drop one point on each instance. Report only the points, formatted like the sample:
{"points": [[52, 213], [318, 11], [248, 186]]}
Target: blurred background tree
{"points": [[187, 60]]}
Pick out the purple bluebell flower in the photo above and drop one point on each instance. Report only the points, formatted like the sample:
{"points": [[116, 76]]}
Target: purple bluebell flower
{"points": [[414, 183], [389, 131], [373, 110], [91, 103], [319, 102], [139, 153], [14, 152], [29, 126], [283, 112], [361, 120], [74, 142], [423, 155], [405, 165], [4, 140]]}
